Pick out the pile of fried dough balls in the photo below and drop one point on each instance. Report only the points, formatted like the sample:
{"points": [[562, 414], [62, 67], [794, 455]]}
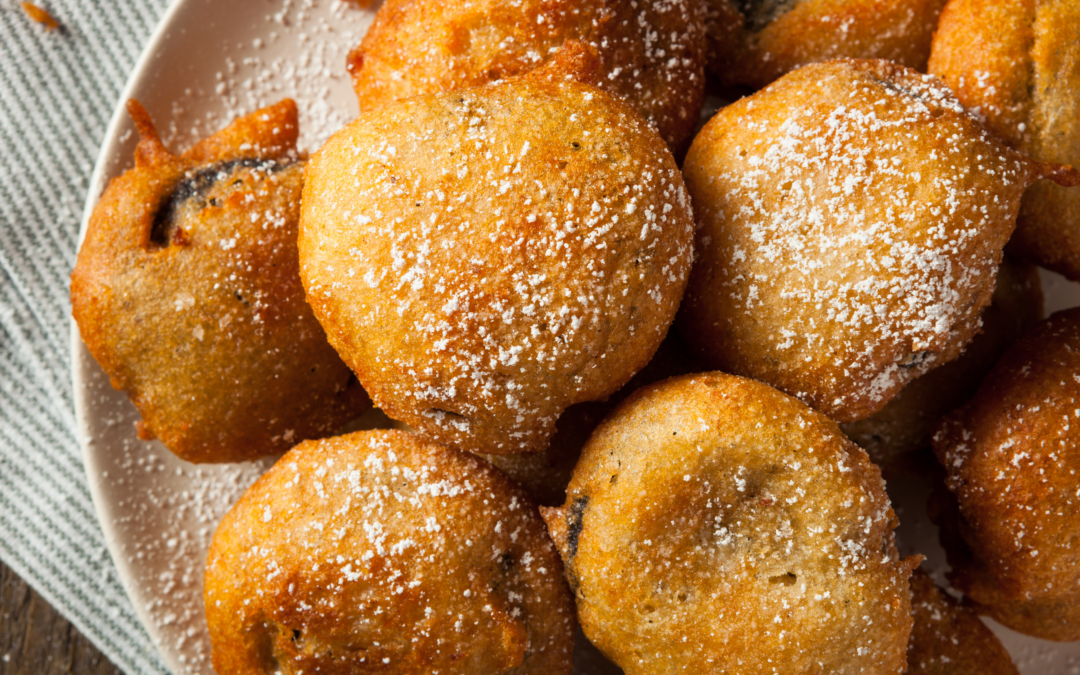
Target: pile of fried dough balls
{"points": [[494, 252]]}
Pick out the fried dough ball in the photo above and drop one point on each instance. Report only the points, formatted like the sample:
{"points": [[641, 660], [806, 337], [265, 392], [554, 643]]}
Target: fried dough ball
{"points": [[545, 474], [753, 42], [851, 219], [186, 291], [1012, 456], [652, 53], [1018, 65], [485, 258], [716, 525], [378, 552], [897, 436], [948, 638]]}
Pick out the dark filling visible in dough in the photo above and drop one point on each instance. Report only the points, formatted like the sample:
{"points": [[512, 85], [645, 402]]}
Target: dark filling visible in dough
{"points": [[197, 185], [577, 513], [760, 13]]}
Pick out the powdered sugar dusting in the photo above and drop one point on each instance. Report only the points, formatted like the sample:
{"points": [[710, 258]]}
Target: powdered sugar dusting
{"points": [[652, 52], [163, 513], [299, 53], [379, 548], [1012, 463], [507, 259], [159, 512], [863, 225], [685, 504]]}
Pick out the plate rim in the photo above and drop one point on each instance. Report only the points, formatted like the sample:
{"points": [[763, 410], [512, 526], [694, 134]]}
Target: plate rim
{"points": [[114, 156], [79, 352]]}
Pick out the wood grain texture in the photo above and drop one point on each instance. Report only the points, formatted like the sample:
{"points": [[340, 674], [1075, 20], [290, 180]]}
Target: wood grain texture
{"points": [[36, 640]]}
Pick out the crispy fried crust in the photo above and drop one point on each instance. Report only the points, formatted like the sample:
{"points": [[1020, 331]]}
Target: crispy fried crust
{"points": [[378, 552], [653, 53], [1012, 455], [716, 525], [948, 638], [1018, 64], [187, 292], [851, 219], [898, 437], [485, 258], [754, 42]]}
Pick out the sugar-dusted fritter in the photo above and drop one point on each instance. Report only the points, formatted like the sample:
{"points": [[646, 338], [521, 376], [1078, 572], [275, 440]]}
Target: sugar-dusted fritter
{"points": [[948, 638], [378, 552], [1012, 455], [187, 292], [1017, 64], [545, 474], [753, 42], [485, 258], [716, 525], [851, 219], [652, 53], [898, 437]]}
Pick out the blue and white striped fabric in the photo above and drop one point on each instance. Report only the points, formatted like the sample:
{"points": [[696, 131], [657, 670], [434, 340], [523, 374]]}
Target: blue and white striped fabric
{"points": [[57, 91]]}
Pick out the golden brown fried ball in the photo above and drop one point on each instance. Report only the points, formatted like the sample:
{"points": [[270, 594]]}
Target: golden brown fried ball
{"points": [[378, 552], [1012, 455], [897, 436], [948, 638], [545, 474], [485, 258], [851, 219], [652, 53], [753, 42], [716, 525], [187, 292], [1018, 65]]}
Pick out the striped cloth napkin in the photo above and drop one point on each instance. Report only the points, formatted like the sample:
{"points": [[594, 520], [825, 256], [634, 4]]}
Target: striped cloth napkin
{"points": [[57, 91]]}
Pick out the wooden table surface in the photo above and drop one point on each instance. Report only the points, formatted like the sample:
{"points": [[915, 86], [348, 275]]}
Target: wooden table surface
{"points": [[36, 640]]}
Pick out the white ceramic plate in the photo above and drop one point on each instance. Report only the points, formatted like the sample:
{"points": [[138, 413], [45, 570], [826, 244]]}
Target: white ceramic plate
{"points": [[207, 63]]}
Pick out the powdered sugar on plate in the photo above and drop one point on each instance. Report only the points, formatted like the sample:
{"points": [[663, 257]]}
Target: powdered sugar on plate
{"points": [[299, 52], [207, 64]]}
